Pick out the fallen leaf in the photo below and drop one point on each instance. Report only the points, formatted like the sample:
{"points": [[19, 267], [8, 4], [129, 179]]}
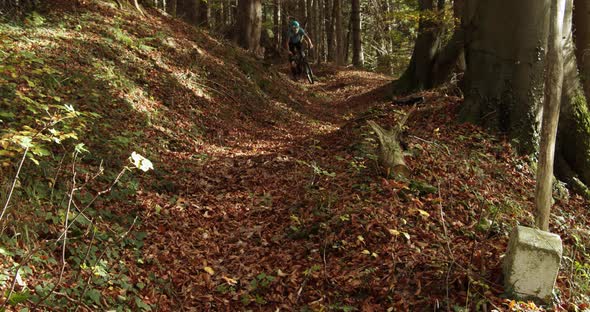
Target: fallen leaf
{"points": [[209, 270]]}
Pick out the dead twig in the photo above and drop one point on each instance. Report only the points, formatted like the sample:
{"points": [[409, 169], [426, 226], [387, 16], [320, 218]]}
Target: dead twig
{"points": [[14, 183]]}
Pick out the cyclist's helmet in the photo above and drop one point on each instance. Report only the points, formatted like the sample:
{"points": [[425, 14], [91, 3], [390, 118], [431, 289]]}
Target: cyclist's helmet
{"points": [[295, 24]]}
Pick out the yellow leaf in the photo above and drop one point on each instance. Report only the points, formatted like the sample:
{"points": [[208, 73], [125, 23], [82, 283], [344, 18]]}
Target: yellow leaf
{"points": [[406, 235], [394, 232], [366, 252], [281, 273], [360, 238], [512, 304], [424, 213], [229, 280], [209, 270], [374, 255]]}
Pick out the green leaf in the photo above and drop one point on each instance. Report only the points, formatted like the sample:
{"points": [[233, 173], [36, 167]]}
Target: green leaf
{"points": [[7, 115], [17, 298], [25, 141], [142, 305], [94, 295], [80, 148], [5, 252]]}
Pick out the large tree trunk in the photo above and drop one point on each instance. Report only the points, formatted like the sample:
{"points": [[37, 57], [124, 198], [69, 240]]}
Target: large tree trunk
{"points": [[357, 48], [249, 24], [504, 81], [581, 20], [505, 56], [573, 138], [418, 75]]}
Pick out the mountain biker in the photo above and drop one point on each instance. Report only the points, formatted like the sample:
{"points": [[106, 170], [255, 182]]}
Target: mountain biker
{"points": [[296, 35]]}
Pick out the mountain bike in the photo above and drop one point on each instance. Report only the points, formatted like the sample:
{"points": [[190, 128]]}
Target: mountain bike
{"points": [[303, 67]]}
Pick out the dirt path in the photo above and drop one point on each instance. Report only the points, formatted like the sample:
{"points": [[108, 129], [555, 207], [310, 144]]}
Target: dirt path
{"points": [[242, 213]]}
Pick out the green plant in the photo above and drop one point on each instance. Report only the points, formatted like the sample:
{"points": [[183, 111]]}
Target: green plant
{"points": [[256, 289]]}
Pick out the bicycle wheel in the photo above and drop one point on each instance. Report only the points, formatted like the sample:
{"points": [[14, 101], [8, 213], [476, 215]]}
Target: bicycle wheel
{"points": [[308, 72]]}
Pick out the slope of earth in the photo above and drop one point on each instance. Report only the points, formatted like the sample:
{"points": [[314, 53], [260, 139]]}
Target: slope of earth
{"points": [[266, 195]]}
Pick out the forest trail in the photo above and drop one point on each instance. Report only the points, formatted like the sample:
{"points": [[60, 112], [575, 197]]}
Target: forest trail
{"points": [[265, 193], [236, 215], [297, 215]]}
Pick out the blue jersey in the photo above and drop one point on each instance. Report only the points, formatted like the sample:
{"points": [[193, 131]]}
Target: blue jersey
{"points": [[296, 37]]}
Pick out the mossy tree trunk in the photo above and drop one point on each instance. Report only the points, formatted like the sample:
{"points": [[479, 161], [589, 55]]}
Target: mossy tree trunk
{"points": [[573, 136], [505, 46], [581, 22]]}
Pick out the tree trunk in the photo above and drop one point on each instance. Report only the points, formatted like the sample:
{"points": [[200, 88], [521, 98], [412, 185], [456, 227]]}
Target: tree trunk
{"points": [[203, 14], [581, 20], [249, 24], [301, 13], [330, 29], [172, 4], [310, 23], [217, 20], [277, 23], [357, 48], [504, 80], [234, 11], [337, 13], [418, 75], [320, 32], [573, 137], [553, 91]]}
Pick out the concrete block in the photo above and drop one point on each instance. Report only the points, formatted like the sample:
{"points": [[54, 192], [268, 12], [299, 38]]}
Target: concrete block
{"points": [[532, 263]]}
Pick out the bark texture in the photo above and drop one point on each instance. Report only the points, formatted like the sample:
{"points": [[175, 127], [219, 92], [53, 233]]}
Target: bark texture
{"points": [[551, 105], [357, 48], [339, 32], [249, 24], [418, 75], [391, 154], [573, 137], [581, 20], [504, 80], [329, 28]]}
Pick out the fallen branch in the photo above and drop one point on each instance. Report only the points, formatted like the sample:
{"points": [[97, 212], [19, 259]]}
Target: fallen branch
{"points": [[391, 154]]}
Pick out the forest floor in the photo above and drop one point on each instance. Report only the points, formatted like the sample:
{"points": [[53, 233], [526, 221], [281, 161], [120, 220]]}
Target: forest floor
{"points": [[298, 216], [266, 193]]}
